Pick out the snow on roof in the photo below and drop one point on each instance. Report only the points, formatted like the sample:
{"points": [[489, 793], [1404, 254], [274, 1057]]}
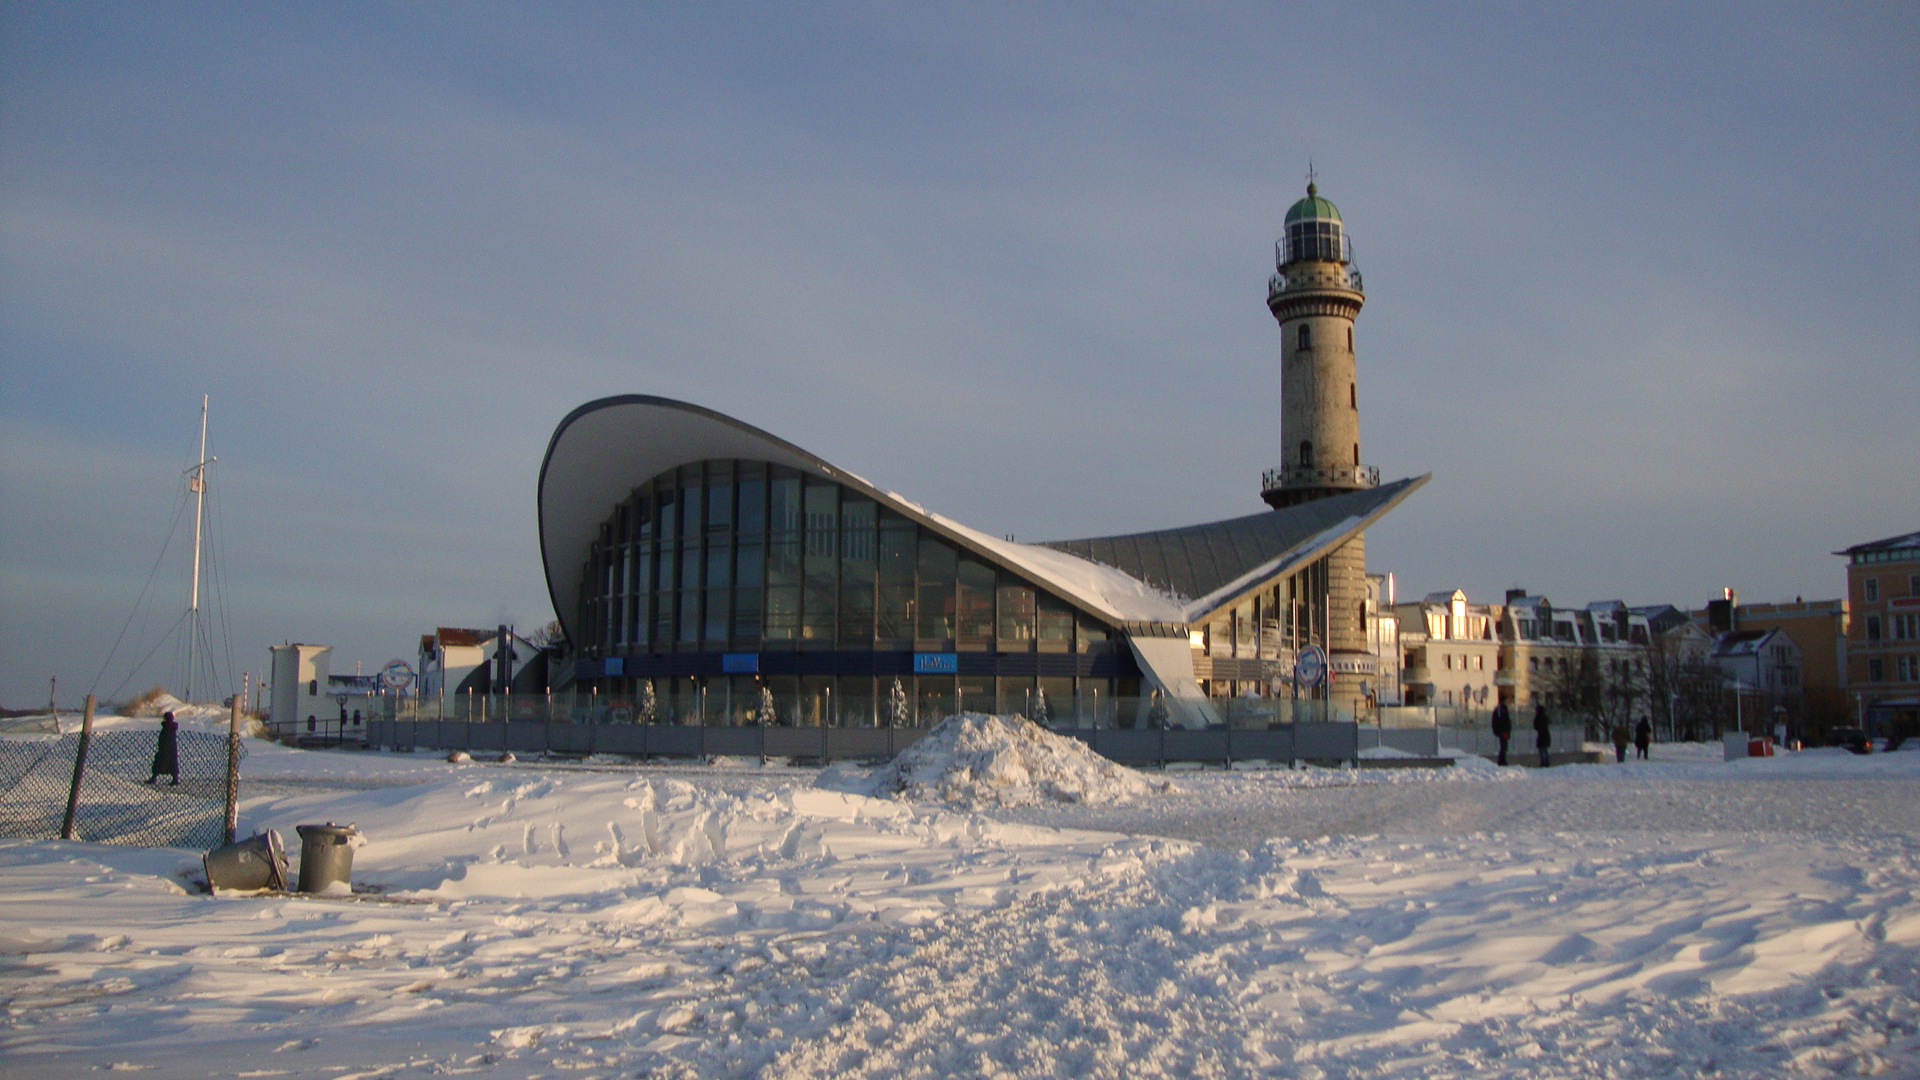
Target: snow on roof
{"points": [[1741, 642], [1891, 543], [1115, 594]]}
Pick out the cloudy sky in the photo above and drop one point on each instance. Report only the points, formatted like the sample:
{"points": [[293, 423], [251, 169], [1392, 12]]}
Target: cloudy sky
{"points": [[1640, 284]]}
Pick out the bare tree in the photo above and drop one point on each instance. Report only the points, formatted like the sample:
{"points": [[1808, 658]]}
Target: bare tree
{"points": [[1603, 689], [1684, 688], [550, 634]]}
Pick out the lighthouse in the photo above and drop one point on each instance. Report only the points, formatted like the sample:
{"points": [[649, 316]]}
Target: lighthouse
{"points": [[1315, 295]]}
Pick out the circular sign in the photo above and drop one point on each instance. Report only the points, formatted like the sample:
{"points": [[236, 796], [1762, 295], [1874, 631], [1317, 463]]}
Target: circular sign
{"points": [[1310, 667], [398, 674]]}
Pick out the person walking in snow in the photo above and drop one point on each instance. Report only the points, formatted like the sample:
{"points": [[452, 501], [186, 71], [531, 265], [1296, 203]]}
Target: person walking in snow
{"points": [[1643, 737], [1542, 734], [1620, 742], [1502, 729], [166, 752]]}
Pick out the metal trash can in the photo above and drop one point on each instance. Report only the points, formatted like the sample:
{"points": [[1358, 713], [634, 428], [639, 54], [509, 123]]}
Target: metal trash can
{"points": [[326, 857], [258, 862]]}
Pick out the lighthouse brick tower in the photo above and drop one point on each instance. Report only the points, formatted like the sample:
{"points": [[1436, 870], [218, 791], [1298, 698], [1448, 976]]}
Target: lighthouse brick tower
{"points": [[1315, 296]]}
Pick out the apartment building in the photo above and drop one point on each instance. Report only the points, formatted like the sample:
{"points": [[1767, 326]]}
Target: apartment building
{"points": [[1883, 635]]}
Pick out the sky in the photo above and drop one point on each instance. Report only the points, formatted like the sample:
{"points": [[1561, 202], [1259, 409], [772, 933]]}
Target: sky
{"points": [[1640, 286]]}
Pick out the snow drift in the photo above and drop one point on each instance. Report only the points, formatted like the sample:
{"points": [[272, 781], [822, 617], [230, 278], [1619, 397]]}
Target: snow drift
{"points": [[977, 760]]}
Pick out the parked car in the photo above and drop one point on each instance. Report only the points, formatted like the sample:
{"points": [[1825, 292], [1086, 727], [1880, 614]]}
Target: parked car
{"points": [[1852, 738]]}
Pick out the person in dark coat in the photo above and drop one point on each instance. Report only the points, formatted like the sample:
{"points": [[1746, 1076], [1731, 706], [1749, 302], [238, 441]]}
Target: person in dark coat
{"points": [[166, 752], [1620, 737], [1643, 737], [1502, 729], [1542, 734]]}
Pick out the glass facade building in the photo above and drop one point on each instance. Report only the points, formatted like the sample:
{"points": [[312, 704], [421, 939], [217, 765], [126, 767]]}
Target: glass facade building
{"points": [[706, 572]]}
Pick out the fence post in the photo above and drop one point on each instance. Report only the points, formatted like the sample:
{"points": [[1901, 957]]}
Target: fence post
{"points": [[233, 761], [79, 770]]}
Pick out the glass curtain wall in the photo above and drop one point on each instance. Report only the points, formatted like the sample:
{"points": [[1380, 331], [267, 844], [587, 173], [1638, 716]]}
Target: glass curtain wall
{"points": [[746, 556]]}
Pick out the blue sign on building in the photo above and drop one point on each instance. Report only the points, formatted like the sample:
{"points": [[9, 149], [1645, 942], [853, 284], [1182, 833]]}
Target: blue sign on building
{"points": [[936, 663], [616, 665], [740, 663]]}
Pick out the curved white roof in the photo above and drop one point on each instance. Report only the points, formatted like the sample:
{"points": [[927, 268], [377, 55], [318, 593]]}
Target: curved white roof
{"points": [[606, 448]]}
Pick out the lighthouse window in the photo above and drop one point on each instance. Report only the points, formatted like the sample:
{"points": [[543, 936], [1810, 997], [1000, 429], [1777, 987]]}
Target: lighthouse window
{"points": [[1356, 453], [1349, 339], [1306, 336], [1306, 453], [1353, 395]]}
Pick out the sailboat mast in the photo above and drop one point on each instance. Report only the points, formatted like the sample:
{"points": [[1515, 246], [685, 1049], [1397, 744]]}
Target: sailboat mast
{"points": [[196, 483]]}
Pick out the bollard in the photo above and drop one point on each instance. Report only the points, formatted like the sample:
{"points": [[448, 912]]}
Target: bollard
{"points": [[326, 857]]}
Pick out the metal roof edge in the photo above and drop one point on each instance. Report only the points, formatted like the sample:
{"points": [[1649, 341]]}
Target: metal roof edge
{"points": [[1324, 540]]}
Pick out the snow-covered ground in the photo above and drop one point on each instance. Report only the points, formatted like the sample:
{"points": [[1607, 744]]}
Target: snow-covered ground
{"points": [[1683, 917]]}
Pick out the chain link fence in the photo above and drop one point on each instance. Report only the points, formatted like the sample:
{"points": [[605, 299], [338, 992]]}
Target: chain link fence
{"points": [[116, 805]]}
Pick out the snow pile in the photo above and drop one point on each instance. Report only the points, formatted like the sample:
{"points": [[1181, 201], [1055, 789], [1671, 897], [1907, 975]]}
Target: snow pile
{"points": [[161, 704], [977, 760]]}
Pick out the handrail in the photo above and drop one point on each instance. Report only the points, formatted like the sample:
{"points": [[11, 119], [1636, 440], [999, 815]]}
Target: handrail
{"points": [[1309, 475]]}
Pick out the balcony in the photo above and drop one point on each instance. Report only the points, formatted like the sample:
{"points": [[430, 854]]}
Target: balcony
{"points": [[1310, 476], [1343, 278]]}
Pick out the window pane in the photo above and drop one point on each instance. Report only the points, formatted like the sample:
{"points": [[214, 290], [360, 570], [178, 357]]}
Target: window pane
{"points": [[719, 496], [856, 610], [668, 506], [856, 702], [937, 559], [893, 615], [1056, 622], [690, 567], [783, 563], [858, 516], [783, 612], [746, 615], [897, 554], [643, 514], [690, 615], [857, 570], [822, 518], [663, 617], [933, 698], [719, 563], [819, 608], [749, 565], [976, 581], [783, 514], [752, 515], [690, 501], [1016, 612], [717, 614], [820, 611]]}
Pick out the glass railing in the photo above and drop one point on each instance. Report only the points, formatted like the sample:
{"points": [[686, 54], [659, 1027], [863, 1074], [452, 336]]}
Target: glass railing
{"points": [[1089, 711]]}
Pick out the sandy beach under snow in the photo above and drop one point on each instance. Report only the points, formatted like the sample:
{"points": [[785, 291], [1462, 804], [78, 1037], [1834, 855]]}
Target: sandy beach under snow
{"points": [[1677, 918]]}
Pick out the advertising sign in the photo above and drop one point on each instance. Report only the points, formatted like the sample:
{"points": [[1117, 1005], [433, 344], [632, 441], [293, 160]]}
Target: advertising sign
{"points": [[397, 675], [1310, 667]]}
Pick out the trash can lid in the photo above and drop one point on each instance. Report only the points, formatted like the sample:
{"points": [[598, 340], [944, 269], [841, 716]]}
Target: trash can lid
{"points": [[342, 832]]}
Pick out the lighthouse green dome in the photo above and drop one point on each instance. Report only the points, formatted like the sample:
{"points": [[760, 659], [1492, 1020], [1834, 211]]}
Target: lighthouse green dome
{"points": [[1312, 208]]}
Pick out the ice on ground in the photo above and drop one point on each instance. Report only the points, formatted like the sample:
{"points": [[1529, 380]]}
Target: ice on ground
{"points": [[975, 760]]}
